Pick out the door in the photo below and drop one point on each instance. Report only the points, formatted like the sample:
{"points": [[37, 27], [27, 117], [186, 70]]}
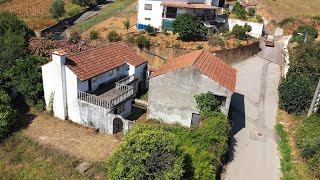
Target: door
{"points": [[89, 85], [195, 119]]}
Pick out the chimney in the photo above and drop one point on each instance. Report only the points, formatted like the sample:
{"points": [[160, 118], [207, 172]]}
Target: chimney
{"points": [[59, 57]]}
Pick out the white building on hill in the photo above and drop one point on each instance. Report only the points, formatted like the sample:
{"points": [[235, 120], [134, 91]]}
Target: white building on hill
{"points": [[161, 13], [95, 88]]}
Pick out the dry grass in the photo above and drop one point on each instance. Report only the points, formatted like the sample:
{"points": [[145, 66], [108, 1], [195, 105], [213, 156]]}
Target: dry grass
{"points": [[70, 138], [36, 12], [280, 9], [290, 124]]}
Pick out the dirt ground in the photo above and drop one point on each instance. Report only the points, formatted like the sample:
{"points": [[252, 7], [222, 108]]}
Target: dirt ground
{"points": [[70, 138]]}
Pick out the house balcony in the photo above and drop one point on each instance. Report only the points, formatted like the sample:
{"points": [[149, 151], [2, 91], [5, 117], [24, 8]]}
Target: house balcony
{"points": [[110, 95]]}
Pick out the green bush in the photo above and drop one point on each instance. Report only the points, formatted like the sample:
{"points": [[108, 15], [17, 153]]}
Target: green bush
{"points": [[188, 26], [202, 147], [74, 37], [27, 77], [259, 18], [239, 11], [142, 41], [207, 102], [286, 21], [308, 142], [300, 33], [7, 115], [94, 35], [295, 93], [113, 36], [316, 17], [223, 29], [151, 30], [240, 32], [251, 11], [147, 154], [127, 24]]}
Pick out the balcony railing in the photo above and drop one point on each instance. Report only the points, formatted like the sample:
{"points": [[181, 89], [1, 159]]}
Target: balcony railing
{"points": [[126, 92]]}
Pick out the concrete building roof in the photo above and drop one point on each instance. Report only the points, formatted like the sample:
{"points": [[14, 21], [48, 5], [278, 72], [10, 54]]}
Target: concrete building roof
{"points": [[93, 62], [184, 5], [206, 63]]}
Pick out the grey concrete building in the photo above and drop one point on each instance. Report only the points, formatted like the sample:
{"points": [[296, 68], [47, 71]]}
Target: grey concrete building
{"points": [[173, 86]]}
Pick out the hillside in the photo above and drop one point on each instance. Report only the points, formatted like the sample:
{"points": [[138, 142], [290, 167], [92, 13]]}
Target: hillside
{"points": [[281, 9]]}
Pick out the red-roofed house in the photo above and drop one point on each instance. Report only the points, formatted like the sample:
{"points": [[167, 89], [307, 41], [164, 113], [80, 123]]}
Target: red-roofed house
{"points": [[95, 87], [173, 86]]}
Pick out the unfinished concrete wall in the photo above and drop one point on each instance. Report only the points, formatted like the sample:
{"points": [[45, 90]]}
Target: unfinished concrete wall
{"points": [[171, 95], [235, 55]]}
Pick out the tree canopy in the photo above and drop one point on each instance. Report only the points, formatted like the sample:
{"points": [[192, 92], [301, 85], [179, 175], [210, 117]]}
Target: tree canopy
{"points": [[27, 77], [57, 9], [304, 31], [152, 154], [14, 35], [240, 32], [188, 26], [7, 114]]}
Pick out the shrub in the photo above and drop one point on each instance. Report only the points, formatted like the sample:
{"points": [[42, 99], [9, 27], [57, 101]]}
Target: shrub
{"points": [[223, 29], [300, 33], [207, 102], [84, 3], [127, 24], [152, 154], [57, 9], [199, 46], [251, 11], [74, 37], [113, 36], [94, 34], [240, 32], [142, 41], [295, 93], [239, 11], [188, 26], [259, 18], [286, 21], [316, 17], [151, 30], [202, 146], [308, 142], [7, 115], [165, 31], [27, 77]]}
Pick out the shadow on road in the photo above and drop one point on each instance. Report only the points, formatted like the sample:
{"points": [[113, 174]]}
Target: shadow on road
{"points": [[237, 117]]}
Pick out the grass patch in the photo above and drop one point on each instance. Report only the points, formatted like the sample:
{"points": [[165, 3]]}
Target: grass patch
{"points": [[288, 168], [107, 12], [72, 9], [23, 158], [143, 96], [4, 1]]}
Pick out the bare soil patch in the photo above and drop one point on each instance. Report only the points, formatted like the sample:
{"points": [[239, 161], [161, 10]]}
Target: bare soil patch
{"points": [[70, 138]]}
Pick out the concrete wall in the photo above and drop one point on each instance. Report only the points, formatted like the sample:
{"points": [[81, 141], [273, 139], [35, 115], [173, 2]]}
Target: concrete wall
{"points": [[256, 31], [235, 55], [171, 95], [54, 86]]}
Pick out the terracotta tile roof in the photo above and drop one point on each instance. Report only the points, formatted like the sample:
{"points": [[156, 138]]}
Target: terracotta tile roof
{"points": [[185, 5], [205, 62], [93, 62]]}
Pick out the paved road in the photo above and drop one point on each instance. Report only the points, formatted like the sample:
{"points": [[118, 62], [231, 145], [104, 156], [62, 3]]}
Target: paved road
{"points": [[254, 110]]}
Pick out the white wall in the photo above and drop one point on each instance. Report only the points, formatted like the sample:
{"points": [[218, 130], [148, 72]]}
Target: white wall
{"points": [[54, 85], [155, 14], [72, 95], [256, 31]]}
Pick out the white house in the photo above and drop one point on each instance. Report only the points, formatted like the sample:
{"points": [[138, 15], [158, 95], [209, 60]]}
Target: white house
{"points": [[173, 86], [161, 13], [95, 87]]}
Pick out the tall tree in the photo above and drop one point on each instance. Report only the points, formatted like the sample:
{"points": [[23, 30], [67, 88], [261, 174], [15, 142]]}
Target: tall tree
{"points": [[7, 114], [188, 26], [14, 36], [57, 9]]}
